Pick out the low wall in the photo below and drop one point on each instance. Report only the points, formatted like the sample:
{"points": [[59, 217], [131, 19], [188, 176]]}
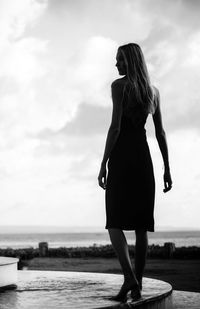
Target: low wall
{"points": [[168, 251]]}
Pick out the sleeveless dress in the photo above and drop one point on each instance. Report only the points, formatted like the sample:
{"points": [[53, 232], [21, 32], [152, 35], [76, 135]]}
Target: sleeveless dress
{"points": [[130, 189]]}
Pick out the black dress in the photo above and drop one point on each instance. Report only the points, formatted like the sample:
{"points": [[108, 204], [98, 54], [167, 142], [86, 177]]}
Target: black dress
{"points": [[130, 189]]}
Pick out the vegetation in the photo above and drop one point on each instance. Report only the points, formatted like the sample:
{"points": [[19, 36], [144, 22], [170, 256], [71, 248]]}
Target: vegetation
{"points": [[106, 251]]}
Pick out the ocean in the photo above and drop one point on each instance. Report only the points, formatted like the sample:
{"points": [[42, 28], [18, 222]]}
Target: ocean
{"points": [[84, 239]]}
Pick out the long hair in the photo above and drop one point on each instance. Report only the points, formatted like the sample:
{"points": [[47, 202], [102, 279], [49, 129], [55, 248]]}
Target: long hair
{"points": [[138, 77]]}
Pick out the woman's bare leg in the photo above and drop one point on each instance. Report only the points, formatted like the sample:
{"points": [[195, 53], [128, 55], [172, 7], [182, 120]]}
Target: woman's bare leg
{"points": [[120, 246], [141, 247]]}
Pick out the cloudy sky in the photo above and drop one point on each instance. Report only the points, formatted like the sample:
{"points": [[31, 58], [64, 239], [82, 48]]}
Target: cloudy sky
{"points": [[57, 61]]}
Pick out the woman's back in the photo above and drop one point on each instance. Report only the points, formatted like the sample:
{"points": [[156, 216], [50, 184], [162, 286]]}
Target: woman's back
{"points": [[131, 146], [134, 115]]}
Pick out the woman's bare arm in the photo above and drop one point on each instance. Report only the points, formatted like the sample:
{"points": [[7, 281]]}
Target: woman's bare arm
{"points": [[114, 130], [162, 142]]}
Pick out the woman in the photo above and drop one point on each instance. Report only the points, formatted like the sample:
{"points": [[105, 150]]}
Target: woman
{"points": [[130, 185]]}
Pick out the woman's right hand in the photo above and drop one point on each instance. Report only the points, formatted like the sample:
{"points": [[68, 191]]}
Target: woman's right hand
{"points": [[167, 181]]}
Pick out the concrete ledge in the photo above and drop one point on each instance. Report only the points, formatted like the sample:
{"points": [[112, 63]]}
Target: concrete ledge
{"points": [[74, 290], [8, 272]]}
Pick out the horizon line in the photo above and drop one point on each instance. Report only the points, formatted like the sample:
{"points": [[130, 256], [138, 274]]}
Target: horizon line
{"points": [[81, 228]]}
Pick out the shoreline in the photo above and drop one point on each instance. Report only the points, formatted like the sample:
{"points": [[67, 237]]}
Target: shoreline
{"points": [[80, 246], [76, 238]]}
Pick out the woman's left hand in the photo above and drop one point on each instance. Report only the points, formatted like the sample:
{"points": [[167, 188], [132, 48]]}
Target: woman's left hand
{"points": [[102, 176]]}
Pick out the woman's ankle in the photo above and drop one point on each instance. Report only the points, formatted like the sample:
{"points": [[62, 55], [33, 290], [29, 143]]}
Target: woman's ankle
{"points": [[140, 282], [130, 277]]}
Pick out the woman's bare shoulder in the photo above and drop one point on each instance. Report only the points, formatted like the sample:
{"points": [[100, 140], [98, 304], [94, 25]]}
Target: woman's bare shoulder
{"points": [[155, 91], [119, 82], [156, 99]]}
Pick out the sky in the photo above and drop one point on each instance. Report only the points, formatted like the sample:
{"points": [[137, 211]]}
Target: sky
{"points": [[57, 63]]}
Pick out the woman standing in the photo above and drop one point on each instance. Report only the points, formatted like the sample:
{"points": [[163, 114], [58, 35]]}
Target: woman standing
{"points": [[130, 185]]}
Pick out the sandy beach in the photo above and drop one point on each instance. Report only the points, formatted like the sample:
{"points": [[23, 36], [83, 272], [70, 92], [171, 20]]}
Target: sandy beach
{"points": [[183, 275]]}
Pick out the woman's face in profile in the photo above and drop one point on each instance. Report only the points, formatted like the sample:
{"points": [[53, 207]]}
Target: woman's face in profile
{"points": [[120, 64]]}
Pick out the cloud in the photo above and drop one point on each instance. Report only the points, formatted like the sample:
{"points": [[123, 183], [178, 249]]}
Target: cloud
{"points": [[19, 61], [179, 207], [16, 16], [20, 67], [95, 68], [89, 120], [105, 18]]}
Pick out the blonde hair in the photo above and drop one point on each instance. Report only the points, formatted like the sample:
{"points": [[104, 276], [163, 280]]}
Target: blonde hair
{"points": [[138, 77]]}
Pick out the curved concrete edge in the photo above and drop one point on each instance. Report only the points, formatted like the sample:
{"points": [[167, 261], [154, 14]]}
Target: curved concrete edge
{"points": [[8, 273], [154, 291], [5, 260], [164, 301], [8, 287], [78, 290]]}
